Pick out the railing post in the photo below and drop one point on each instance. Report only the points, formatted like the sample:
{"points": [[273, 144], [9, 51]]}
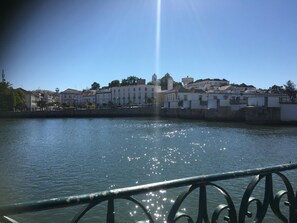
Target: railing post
{"points": [[202, 213], [110, 211]]}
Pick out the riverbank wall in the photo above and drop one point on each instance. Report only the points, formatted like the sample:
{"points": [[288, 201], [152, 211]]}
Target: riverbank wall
{"points": [[123, 112], [221, 114], [250, 115], [262, 115]]}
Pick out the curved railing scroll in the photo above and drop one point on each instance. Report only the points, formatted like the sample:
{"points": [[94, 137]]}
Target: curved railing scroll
{"points": [[175, 215], [269, 200]]}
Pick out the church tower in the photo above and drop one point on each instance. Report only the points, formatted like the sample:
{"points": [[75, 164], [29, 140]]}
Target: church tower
{"points": [[154, 79]]}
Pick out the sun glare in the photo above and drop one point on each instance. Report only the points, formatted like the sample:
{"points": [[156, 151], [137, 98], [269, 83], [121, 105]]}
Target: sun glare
{"points": [[158, 36]]}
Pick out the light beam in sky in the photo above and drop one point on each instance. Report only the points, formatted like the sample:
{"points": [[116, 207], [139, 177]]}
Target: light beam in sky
{"points": [[158, 37]]}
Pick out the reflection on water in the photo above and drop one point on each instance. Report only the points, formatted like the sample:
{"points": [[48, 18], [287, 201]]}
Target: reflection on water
{"points": [[43, 158]]}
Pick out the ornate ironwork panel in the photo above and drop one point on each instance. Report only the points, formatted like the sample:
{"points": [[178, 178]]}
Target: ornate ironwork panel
{"points": [[251, 206]]}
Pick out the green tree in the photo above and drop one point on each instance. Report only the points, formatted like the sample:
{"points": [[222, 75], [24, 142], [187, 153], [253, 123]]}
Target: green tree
{"points": [[7, 97], [150, 101], [290, 89], [131, 80], [164, 81], [20, 101], [95, 86], [64, 105], [150, 83], [41, 104], [114, 83], [177, 84]]}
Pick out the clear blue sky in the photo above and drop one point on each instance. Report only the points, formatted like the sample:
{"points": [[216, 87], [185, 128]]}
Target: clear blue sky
{"points": [[71, 44]]}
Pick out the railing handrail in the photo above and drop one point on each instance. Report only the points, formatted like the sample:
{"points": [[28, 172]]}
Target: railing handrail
{"points": [[68, 201]]}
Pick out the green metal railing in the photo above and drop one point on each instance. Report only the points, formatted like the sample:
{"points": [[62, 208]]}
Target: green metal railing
{"points": [[201, 183]]}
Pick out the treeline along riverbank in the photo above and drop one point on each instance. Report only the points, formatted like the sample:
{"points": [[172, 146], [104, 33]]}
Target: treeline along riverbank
{"points": [[252, 115]]}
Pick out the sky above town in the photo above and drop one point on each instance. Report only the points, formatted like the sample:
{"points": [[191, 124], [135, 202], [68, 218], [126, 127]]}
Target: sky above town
{"points": [[71, 44]]}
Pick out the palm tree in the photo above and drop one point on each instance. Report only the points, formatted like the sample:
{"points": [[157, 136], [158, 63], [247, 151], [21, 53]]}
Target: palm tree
{"points": [[290, 89]]}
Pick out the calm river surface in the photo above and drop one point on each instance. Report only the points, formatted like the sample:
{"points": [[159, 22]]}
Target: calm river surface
{"points": [[45, 158]]}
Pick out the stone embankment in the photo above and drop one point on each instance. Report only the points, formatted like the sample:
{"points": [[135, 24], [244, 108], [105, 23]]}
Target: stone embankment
{"points": [[251, 115], [262, 115], [222, 114]]}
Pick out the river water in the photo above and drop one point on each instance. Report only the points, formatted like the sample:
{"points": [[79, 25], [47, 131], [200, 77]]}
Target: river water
{"points": [[45, 158]]}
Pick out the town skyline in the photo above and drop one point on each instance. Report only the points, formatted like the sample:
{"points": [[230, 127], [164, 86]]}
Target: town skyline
{"points": [[146, 82], [50, 44]]}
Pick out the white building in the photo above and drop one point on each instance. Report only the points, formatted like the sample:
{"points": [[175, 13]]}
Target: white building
{"points": [[170, 98], [185, 98], [199, 99], [31, 100], [88, 97], [237, 89], [70, 97], [235, 101], [187, 80], [103, 97], [50, 98], [264, 100], [134, 95]]}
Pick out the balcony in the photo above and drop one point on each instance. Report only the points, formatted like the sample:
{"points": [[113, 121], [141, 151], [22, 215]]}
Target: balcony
{"points": [[280, 203]]}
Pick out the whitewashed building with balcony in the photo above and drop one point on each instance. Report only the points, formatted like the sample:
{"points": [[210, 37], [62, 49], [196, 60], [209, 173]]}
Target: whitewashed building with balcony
{"points": [[135, 95], [185, 98]]}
